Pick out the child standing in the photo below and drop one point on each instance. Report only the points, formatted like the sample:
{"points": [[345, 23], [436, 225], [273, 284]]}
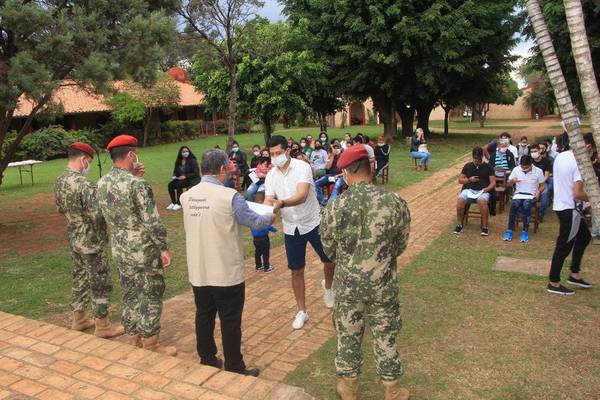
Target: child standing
{"points": [[262, 244]]}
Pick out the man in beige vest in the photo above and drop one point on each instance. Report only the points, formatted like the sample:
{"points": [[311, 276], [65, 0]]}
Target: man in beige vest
{"points": [[213, 216]]}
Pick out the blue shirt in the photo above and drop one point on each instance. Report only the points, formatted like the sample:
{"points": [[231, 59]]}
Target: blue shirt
{"points": [[263, 232], [241, 212]]}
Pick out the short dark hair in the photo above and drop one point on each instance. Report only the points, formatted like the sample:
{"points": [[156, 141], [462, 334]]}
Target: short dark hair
{"points": [[523, 137], [255, 146], [588, 138], [119, 153], [359, 167], [75, 153], [278, 140], [535, 146], [526, 159], [562, 142], [505, 135], [477, 153]]}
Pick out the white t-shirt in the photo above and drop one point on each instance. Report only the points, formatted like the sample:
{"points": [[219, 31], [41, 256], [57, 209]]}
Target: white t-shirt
{"points": [[318, 159], [305, 216], [370, 151], [566, 173], [527, 182], [514, 150]]}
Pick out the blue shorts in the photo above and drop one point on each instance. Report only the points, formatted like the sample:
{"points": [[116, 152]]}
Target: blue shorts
{"points": [[295, 248]]}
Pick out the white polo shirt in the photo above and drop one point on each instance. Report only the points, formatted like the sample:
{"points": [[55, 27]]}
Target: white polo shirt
{"points": [[527, 182], [566, 173], [305, 216]]}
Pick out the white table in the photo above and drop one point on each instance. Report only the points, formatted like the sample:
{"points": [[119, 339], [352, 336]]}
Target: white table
{"points": [[22, 165]]}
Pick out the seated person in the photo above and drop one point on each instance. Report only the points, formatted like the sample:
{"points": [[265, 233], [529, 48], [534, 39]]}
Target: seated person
{"points": [[523, 148], [478, 182], [505, 138], [255, 156], [300, 155], [545, 164], [333, 175], [239, 158], [419, 151], [529, 181], [382, 154], [186, 174], [318, 160], [263, 167], [347, 141]]}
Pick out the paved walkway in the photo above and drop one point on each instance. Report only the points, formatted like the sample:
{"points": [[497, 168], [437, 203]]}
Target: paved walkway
{"points": [[44, 361], [269, 341]]}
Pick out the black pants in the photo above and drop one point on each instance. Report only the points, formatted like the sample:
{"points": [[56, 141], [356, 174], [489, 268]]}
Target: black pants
{"points": [[262, 247], [228, 301], [176, 188], [570, 237]]}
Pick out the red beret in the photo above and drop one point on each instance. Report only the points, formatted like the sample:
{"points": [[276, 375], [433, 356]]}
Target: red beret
{"points": [[86, 148], [122, 140], [352, 153]]}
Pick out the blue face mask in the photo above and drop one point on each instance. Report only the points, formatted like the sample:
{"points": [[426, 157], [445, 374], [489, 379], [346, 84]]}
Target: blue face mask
{"points": [[235, 149]]}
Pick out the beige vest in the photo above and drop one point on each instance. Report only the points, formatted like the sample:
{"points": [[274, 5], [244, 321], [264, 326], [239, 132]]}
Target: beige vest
{"points": [[214, 243]]}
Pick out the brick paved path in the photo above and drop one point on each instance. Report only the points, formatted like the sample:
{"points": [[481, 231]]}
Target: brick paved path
{"points": [[269, 341], [43, 361]]}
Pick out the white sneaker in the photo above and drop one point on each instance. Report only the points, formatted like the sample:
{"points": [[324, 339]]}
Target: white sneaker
{"points": [[301, 318], [328, 296], [176, 207], [170, 206]]}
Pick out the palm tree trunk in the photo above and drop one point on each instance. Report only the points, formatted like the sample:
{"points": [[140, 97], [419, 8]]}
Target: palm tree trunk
{"points": [[565, 104], [583, 60]]}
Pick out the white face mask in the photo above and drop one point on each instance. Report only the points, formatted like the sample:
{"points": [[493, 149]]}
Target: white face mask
{"points": [[302, 144], [136, 163], [185, 154], [336, 151], [256, 153], [280, 160], [85, 170], [535, 155]]}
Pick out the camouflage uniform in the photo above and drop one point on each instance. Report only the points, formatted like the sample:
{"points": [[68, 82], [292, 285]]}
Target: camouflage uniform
{"points": [[137, 237], [363, 232], [75, 197]]}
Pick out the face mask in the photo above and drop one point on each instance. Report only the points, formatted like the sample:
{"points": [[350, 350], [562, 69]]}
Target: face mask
{"points": [[257, 153], [380, 144], [535, 155], [235, 149], [84, 170], [185, 154], [336, 151], [302, 144], [505, 141], [279, 161], [323, 140], [266, 156], [136, 163]]}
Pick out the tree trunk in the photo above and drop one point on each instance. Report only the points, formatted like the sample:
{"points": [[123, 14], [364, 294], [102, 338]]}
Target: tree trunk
{"points": [[446, 118], [423, 114], [267, 129], [147, 126], [407, 117], [231, 109], [583, 60], [322, 121], [387, 110], [565, 104]]}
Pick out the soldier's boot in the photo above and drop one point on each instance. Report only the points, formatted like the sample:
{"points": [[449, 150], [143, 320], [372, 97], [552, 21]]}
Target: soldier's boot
{"points": [[347, 387], [81, 321], [393, 391], [104, 328], [151, 343], [134, 340]]}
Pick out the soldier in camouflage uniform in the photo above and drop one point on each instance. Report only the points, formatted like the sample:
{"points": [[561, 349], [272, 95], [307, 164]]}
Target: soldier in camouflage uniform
{"points": [[364, 231], [139, 243], [75, 198]]}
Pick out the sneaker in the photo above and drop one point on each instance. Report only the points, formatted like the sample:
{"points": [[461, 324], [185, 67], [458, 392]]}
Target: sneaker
{"points": [[578, 282], [524, 236], [300, 319], [176, 207], [485, 232], [560, 289], [170, 206], [507, 235], [259, 269], [458, 229], [328, 296], [268, 269]]}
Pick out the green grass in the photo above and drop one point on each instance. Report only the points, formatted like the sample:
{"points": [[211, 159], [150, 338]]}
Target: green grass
{"points": [[473, 333], [583, 126], [466, 124], [35, 285]]}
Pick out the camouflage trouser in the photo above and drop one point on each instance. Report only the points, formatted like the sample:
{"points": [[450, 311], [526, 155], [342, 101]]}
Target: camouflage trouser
{"points": [[143, 288], [383, 317], [91, 283]]}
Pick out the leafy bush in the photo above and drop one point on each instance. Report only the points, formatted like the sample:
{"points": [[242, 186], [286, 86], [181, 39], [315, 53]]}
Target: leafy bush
{"points": [[45, 144]]}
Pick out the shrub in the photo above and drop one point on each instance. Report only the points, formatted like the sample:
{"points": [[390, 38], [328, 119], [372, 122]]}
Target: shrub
{"points": [[45, 144]]}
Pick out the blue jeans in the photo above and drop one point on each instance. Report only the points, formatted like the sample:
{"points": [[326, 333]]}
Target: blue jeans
{"points": [[424, 156], [524, 206], [252, 189], [545, 195], [324, 181]]}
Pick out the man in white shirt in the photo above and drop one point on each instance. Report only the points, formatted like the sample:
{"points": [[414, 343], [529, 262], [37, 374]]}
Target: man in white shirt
{"points": [[529, 180], [573, 232], [290, 187]]}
